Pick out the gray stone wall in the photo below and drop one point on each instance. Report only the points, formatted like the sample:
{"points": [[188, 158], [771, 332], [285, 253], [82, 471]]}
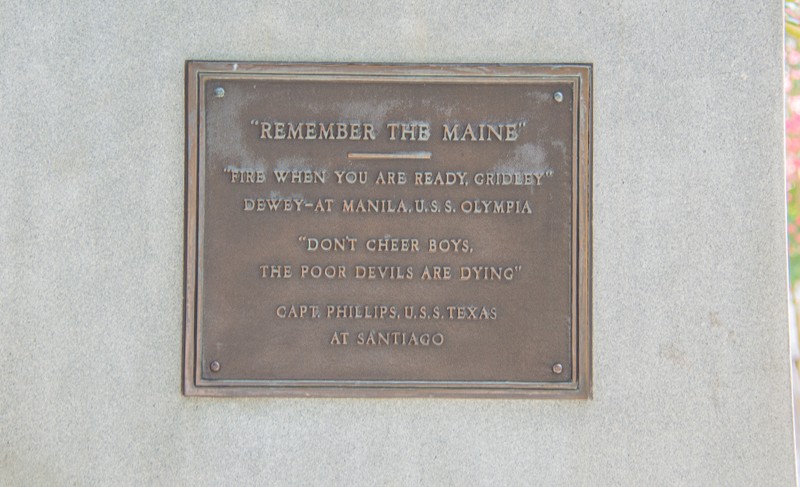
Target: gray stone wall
{"points": [[691, 370]]}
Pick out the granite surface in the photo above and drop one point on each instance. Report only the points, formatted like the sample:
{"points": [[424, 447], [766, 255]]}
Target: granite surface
{"points": [[691, 370]]}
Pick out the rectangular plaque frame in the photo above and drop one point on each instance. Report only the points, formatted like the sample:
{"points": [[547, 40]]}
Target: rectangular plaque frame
{"points": [[202, 77]]}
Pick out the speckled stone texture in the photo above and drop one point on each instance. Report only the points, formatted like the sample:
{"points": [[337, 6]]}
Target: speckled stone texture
{"points": [[691, 368]]}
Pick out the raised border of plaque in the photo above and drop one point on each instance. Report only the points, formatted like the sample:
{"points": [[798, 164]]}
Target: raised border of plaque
{"points": [[200, 74]]}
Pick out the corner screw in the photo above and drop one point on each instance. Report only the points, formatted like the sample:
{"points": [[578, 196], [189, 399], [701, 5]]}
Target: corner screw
{"points": [[557, 96], [215, 366], [557, 368], [219, 92]]}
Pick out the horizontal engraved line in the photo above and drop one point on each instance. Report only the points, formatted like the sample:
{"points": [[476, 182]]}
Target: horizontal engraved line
{"points": [[389, 155]]}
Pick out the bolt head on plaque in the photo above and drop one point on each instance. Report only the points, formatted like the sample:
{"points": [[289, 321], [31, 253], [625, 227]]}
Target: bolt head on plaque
{"points": [[219, 92], [214, 366], [558, 96]]}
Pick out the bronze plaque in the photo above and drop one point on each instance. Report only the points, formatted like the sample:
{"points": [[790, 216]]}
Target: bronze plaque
{"points": [[388, 230]]}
